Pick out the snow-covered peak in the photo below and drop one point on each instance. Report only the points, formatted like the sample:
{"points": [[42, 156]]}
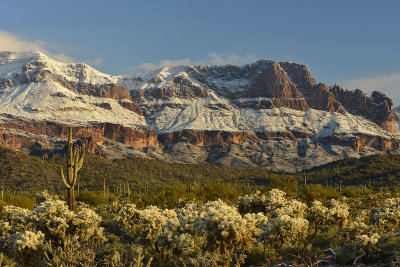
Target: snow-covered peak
{"points": [[13, 63]]}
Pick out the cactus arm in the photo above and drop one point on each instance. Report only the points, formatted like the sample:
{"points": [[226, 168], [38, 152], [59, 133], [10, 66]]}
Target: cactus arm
{"points": [[81, 157], [70, 136], [70, 154], [75, 155], [63, 178], [76, 169]]}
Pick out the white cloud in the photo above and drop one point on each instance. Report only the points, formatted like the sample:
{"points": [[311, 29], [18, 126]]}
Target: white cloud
{"points": [[165, 63], [95, 62], [389, 84], [11, 42], [218, 59], [212, 58]]}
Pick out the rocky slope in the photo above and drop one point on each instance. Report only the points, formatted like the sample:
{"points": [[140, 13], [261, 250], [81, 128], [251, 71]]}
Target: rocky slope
{"points": [[267, 114]]}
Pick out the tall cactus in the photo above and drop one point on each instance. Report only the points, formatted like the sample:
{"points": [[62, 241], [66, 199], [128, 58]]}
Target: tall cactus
{"points": [[74, 163]]}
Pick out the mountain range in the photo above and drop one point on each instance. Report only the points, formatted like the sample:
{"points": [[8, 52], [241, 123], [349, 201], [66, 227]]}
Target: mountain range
{"points": [[266, 114]]}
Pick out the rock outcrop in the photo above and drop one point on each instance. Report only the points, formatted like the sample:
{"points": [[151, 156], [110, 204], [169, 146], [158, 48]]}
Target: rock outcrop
{"points": [[378, 107], [35, 136]]}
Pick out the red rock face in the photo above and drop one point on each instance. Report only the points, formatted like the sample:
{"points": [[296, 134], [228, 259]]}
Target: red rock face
{"points": [[112, 91], [298, 104], [179, 87], [132, 106], [378, 107], [21, 134], [273, 82], [210, 138], [318, 95], [203, 138], [115, 92], [361, 141]]}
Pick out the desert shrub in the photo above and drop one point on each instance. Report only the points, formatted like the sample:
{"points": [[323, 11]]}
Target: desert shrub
{"points": [[390, 249], [178, 234], [347, 253], [50, 228], [18, 201], [259, 202], [27, 247], [313, 192], [70, 253], [268, 226], [95, 198], [224, 227], [355, 191], [387, 217]]}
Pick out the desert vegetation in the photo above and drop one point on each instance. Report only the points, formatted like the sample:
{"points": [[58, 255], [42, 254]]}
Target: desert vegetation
{"points": [[258, 228], [139, 212]]}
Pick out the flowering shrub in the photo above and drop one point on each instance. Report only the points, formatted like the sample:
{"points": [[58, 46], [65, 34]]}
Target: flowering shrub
{"points": [[128, 215], [364, 240], [224, 226], [14, 219], [27, 247], [25, 234], [388, 216], [28, 240], [338, 211], [85, 224], [261, 202], [53, 218], [151, 221], [199, 234], [285, 231]]}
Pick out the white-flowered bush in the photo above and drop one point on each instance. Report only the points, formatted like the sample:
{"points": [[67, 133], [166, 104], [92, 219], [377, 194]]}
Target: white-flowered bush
{"points": [[151, 221], [224, 226], [356, 227], [128, 215], [292, 208], [27, 247], [53, 218], [285, 231], [28, 240], [177, 235], [144, 224], [364, 240], [317, 213], [24, 232], [14, 219], [193, 233], [388, 216], [338, 211], [85, 224], [258, 202]]}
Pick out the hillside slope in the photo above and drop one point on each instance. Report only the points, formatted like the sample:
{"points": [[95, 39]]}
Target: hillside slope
{"points": [[19, 171]]}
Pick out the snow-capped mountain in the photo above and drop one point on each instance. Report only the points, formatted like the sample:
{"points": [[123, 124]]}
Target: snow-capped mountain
{"points": [[267, 114]]}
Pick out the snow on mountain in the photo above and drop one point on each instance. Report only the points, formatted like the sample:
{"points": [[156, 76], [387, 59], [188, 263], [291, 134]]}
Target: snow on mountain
{"points": [[264, 111], [29, 96]]}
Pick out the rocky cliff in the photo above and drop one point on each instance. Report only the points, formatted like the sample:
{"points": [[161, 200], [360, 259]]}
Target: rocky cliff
{"points": [[267, 114]]}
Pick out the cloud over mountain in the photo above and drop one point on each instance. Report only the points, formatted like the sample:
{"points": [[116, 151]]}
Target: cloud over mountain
{"points": [[13, 42]]}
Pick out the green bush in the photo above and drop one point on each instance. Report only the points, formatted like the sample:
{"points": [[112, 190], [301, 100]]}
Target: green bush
{"points": [[313, 192], [19, 201], [95, 198]]}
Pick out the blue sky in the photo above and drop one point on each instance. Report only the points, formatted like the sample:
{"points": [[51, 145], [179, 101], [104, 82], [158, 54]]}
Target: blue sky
{"points": [[353, 43]]}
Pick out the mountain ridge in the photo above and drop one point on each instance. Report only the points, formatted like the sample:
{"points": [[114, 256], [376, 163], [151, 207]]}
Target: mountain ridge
{"points": [[267, 114]]}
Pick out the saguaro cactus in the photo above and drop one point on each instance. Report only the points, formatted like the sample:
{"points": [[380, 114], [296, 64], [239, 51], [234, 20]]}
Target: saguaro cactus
{"points": [[74, 163]]}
